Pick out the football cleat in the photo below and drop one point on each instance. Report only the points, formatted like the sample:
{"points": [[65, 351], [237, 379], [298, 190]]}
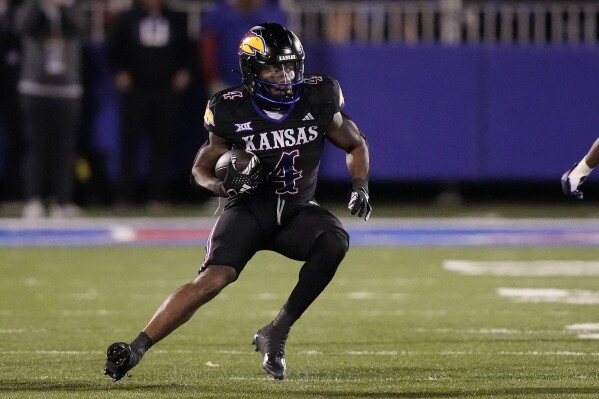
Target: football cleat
{"points": [[270, 342], [120, 358]]}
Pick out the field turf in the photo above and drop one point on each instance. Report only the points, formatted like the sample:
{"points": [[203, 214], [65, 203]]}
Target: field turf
{"points": [[393, 324]]}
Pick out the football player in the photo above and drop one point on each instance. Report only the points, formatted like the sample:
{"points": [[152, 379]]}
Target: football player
{"points": [[284, 117], [577, 174]]}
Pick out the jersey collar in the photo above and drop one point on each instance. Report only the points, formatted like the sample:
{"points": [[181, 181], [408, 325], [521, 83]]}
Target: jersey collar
{"points": [[265, 116]]}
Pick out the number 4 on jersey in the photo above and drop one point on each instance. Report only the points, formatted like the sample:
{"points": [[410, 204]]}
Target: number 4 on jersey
{"points": [[285, 173]]}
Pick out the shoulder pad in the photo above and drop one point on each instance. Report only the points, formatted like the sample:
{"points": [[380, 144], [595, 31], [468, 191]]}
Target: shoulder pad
{"points": [[230, 94], [223, 100], [327, 84], [318, 79]]}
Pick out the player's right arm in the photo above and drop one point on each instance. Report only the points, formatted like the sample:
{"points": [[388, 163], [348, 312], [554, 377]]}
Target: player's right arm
{"points": [[344, 133], [202, 170], [577, 174]]}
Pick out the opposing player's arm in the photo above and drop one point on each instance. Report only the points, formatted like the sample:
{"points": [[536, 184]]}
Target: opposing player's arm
{"points": [[573, 178], [592, 157], [344, 133], [202, 171]]}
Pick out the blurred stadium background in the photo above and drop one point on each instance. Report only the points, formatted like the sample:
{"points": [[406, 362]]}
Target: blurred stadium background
{"points": [[473, 109], [460, 100]]}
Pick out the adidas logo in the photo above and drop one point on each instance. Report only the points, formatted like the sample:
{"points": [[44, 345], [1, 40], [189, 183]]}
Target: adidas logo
{"points": [[308, 117]]}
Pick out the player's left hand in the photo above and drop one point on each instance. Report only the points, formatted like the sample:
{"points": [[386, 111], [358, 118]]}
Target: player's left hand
{"points": [[237, 182], [571, 183], [359, 201]]}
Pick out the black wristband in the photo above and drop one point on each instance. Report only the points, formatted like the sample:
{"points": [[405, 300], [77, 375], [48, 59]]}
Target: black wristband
{"points": [[360, 184], [219, 190]]}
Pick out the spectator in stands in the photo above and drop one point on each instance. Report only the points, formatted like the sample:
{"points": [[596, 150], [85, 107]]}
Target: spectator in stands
{"points": [[50, 90], [151, 54], [10, 124], [222, 27], [575, 176]]}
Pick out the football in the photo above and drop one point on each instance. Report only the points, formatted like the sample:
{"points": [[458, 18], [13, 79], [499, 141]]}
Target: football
{"points": [[245, 161]]}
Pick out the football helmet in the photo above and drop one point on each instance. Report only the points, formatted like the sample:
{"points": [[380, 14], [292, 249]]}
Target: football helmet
{"points": [[271, 59]]}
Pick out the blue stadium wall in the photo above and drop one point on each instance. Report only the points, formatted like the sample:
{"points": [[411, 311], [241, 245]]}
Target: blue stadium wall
{"points": [[465, 113]]}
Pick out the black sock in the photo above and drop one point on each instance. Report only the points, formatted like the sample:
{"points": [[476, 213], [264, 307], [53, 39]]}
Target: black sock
{"points": [[284, 320], [142, 343]]}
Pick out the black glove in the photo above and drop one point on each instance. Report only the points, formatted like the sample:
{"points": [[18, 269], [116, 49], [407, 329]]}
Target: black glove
{"points": [[570, 185], [237, 182], [359, 201]]}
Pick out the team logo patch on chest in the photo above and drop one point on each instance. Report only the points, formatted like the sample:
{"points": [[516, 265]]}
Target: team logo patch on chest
{"points": [[241, 127]]}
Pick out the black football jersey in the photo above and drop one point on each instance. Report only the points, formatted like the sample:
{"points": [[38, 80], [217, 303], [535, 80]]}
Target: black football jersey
{"points": [[289, 148]]}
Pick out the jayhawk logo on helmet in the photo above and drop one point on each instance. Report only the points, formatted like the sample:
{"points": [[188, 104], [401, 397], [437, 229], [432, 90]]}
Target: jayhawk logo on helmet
{"points": [[252, 44]]}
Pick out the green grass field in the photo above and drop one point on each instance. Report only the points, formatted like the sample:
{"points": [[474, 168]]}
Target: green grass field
{"points": [[393, 324]]}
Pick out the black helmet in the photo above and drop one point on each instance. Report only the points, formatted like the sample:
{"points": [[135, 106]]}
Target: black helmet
{"points": [[271, 59]]}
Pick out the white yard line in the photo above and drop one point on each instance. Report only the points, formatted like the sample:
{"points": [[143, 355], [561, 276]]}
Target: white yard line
{"points": [[523, 268], [588, 331], [550, 295]]}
